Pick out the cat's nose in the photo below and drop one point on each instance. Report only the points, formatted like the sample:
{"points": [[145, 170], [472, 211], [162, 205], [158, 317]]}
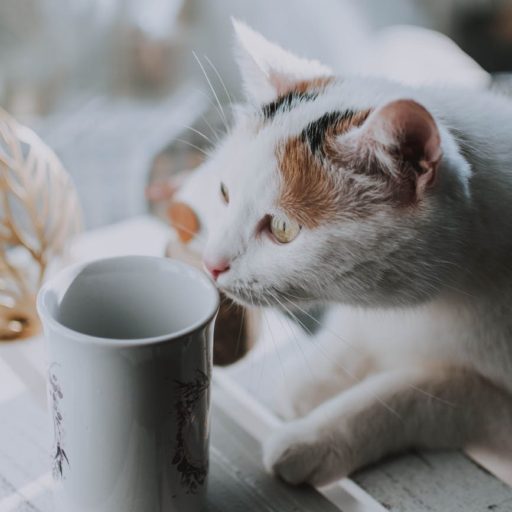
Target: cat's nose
{"points": [[216, 268]]}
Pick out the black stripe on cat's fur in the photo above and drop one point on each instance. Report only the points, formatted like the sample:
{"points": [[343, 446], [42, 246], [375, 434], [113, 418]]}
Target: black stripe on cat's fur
{"points": [[286, 102], [314, 133]]}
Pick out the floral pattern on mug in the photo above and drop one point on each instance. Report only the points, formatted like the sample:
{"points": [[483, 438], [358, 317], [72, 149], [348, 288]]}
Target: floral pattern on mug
{"points": [[193, 472], [59, 456]]}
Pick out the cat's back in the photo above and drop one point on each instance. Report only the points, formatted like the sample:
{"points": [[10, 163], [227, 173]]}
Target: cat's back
{"points": [[480, 121]]}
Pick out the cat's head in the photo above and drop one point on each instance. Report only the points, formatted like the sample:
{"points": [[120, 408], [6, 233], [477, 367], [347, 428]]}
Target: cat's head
{"points": [[329, 189]]}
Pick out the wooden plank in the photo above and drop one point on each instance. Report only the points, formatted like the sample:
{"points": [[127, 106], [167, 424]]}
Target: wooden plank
{"points": [[435, 481], [239, 483], [414, 482]]}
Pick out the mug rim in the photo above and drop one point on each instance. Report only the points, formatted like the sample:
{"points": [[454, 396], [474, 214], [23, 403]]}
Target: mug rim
{"points": [[73, 270]]}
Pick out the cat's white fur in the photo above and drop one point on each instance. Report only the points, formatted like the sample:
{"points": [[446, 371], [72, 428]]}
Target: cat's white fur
{"points": [[423, 360]]}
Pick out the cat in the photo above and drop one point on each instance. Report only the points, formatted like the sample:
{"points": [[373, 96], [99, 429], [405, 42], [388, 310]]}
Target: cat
{"points": [[393, 205]]}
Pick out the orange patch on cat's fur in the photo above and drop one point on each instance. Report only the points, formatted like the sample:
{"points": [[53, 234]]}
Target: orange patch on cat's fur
{"points": [[311, 85], [309, 192], [315, 84]]}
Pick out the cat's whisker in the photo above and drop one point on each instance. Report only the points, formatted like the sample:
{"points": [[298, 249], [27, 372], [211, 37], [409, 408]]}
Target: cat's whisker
{"points": [[200, 133], [252, 368], [308, 331], [229, 307], [274, 341], [201, 150], [179, 225], [354, 378], [357, 348], [294, 337], [291, 295], [239, 338], [319, 323], [252, 301], [233, 305], [212, 129], [434, 397], [212, 105], [223, 114], [216, 71], [292, 328]]}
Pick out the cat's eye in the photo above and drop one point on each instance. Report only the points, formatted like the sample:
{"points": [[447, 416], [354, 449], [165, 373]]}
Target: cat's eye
{"points": [[224, 192], [284, 229]]}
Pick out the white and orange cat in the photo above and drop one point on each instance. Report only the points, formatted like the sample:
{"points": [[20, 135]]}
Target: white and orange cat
{"points": [[394, 206]]}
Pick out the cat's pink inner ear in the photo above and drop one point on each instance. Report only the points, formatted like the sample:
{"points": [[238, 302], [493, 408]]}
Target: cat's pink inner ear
{"points": [[410, 135]]}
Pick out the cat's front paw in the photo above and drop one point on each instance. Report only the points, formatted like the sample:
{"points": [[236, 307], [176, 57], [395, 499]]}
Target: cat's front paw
{"points": [[298, 453]]}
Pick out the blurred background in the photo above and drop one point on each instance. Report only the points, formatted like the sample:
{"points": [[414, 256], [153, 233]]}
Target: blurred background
{"points": [[129, 92]]}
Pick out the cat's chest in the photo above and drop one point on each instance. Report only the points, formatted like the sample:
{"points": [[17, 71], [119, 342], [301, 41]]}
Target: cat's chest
{"points": [[436, 333]]}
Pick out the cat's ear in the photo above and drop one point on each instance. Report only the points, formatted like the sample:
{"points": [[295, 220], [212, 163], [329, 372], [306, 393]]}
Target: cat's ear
{"points": [[267, 70], [402, 139]]}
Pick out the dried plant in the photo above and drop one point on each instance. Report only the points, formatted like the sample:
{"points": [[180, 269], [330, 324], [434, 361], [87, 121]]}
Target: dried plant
{"points": [[39, 213]]}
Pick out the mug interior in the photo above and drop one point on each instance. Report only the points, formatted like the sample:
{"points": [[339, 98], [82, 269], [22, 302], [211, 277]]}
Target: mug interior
{"points": [[130, 297]]}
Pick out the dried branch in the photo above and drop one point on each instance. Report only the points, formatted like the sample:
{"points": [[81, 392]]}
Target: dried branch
{"points": [[39, 213]]}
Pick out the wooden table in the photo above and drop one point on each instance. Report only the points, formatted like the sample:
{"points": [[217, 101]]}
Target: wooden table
{"points": [[441, 482]]}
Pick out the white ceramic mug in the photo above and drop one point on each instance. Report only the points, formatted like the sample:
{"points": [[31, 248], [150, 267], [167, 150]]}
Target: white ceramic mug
{"points": [[130, 353]]}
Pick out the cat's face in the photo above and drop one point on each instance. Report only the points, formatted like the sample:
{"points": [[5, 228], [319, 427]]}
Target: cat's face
{"points": [[268, 251], [317, 201]]}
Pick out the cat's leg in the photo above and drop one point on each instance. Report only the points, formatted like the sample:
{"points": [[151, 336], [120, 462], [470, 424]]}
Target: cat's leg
{"points": [[317, 373], [320, 367], [388, 413]]}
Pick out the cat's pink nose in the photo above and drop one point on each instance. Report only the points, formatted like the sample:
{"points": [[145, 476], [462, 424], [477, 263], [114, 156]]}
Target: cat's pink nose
{"points": [[217, 268]]}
